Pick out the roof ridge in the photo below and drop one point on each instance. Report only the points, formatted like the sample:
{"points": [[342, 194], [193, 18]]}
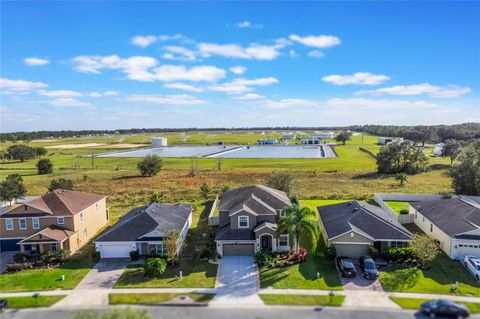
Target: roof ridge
{"points": [[388, 222], [61, 200], [263, 203], [274, 192]]}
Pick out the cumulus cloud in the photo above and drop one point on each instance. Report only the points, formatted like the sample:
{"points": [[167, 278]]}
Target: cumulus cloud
{"points": [[253, 51], [179, 99], [238, 69], [59, 93], [69, 101], [20, 85], [321, 41], [248, 25], [171, 73], [449, 91], [238, 86], [249, 96], [316, 54], [178, 53], [381, 104], [101, 94], [359, 78], [287, 103], [183, 86], [143, 40], [32, 61]]}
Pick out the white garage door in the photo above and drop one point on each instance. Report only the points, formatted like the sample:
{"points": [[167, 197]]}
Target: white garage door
{"points": [[470, 248], [115, 250]]}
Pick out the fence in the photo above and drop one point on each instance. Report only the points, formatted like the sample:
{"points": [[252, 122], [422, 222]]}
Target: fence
{"points": [[213, 220]]}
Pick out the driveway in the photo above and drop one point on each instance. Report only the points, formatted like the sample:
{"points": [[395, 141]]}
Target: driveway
{"points": [[360, 283], [6, 257], [93, 289], [237, 283]]}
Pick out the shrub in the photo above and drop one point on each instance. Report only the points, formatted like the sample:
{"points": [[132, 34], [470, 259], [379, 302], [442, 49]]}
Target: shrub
{"points": [[331, 252], [21, 258], [44, 166], [54, 257], [14, 267], [150, 165], [404, 211], [399, 253], [373, 252], [283, 181], [154, 267], [266, 259], [134, 255], [95, 255], [61, 183]]}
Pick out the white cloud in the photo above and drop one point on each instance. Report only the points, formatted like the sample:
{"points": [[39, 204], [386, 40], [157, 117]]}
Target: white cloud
{"points": [[248, 25], [359, 78], [238, 69], [449, 91], [321, 41], [286, 103], [20, 85], [253, 51], [68, 101], [32, 61], [180, 99], [178, 53], [183, 86], [292, 54], [110, 93], [380, 104], [170, 73], [59, 93], [316, 54], [165, 37], [249, 96], [238, 86], [144, 40], [101, 94]]}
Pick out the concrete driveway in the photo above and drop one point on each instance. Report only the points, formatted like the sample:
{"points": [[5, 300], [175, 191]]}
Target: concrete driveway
{"points": [[6, 257], [237, 283], [359, 283], [93, 289]]}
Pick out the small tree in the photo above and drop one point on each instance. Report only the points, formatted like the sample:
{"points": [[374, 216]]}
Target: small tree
{"points": [[402, 178], [157, 197], [218, 164], [170, 240], [12, 188], [425, 249], [451, 148], [299, 222], [205, 191], [466, 171], [401, 157], [154, 267], [282, 181], [44, 166], [150, 165], [224, 188], [61, 183], [343, 137], [40, 151]]}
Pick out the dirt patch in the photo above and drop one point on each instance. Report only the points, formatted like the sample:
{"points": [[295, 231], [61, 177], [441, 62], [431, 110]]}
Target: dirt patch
{"points": [[70, 146], [43, 141], [124, 145]]}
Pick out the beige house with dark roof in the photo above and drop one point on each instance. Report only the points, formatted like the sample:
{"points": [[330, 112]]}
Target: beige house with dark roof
{"points": [[58, 220]]}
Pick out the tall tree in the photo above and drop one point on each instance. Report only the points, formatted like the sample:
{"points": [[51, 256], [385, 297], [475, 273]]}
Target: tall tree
{"points": [[343, 137], [401, 157], [451, 148], [61, 183], [171, 240], [12, 188], [299, 222], [466, 172], [21, 152]]}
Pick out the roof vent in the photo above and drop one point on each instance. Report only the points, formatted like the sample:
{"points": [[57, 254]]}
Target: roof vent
{"points": [[354, 210]]}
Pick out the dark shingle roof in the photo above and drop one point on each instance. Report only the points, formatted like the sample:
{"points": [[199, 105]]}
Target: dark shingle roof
{"points": [[341, 218], [453, 216], [225, 233], [256, 197], [148, 222]]}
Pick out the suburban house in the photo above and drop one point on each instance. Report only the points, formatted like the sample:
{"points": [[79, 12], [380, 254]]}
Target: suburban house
{"points": [[248, 219], [143, 230], [58, 220], [455, 223], [354, 226]]}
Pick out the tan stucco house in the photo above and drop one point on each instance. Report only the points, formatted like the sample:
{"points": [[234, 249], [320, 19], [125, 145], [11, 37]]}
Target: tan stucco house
{"points": [[58, 220], [248, 218], [455, 223]]}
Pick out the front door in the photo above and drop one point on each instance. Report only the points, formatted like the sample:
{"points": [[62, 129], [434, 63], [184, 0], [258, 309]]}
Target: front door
{"points": [[266, 243]]}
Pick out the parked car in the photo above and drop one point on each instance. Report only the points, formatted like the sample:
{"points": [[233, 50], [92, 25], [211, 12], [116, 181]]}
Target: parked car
{"points": [[368, 267], [473, 265], [446, 308], [346, 267]]}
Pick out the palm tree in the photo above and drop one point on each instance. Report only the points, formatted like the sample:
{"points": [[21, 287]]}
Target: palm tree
{"points": [[402, 178], [298, 222]]}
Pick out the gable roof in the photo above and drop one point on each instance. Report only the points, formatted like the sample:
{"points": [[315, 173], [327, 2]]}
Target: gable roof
{"points": [[148, 222], [52, 232], [454, 216], [367, 220], [59, 202], [261, 199]]}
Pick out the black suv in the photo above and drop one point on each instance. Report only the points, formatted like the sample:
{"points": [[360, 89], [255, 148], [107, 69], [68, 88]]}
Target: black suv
{"points": [[368, 267], [346, 267]]}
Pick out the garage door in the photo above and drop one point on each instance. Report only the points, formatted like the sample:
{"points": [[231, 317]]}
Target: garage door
{"points": [[351, 250], [465, 249], [9, 245], [238, 249], [115, 251]]}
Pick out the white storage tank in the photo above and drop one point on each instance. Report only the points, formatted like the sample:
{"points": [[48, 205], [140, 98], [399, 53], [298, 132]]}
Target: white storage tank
{"points": [[159, 142]]}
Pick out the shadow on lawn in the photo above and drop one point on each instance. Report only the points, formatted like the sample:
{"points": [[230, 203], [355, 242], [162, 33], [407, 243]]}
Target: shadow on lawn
{"points": [[399, 279]]}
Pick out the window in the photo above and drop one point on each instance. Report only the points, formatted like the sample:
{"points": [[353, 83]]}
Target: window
{"points": [[159, 249], [61, 220], [54, 246], [431, 227], [85, 233], [35, 223], [9, 223], [283, 240], [398, 244], [23, 223], [25, 208], [81, 216], [242, 221], [283, 213]]}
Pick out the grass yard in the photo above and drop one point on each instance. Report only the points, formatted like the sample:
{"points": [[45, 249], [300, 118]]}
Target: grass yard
{"points": [[33, 302], [314, 203], [397, 206], [49, 279], [413, 303], [156, 298], [302, 300]]}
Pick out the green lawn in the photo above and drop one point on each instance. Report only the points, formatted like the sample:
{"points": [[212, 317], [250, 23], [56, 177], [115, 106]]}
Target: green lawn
{"points": [[155, 298], [32, 302], [314, 203], [438, 280], [302, 300], [397, 206], [50, 279], [413, 303]]}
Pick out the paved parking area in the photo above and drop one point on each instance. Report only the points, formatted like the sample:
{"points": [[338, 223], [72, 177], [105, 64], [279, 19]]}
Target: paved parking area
{"points": [[6, 257], [360, 283], [237, 283]]}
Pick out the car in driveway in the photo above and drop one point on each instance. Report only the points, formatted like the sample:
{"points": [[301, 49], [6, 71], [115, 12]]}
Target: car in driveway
{"points": [[473, 265], [346, 267], [368, 267], [444, 308]]}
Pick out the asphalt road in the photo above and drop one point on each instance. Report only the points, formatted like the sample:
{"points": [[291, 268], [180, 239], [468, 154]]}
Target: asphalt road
{"points": [[160, 312]]}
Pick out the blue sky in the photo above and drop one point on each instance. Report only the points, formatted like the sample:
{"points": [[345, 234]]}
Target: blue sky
{"points": [[107, 65]]}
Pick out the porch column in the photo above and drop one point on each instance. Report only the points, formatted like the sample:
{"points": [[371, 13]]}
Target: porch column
{"points": [[22, 249], [274, 244], [40, 248]]}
